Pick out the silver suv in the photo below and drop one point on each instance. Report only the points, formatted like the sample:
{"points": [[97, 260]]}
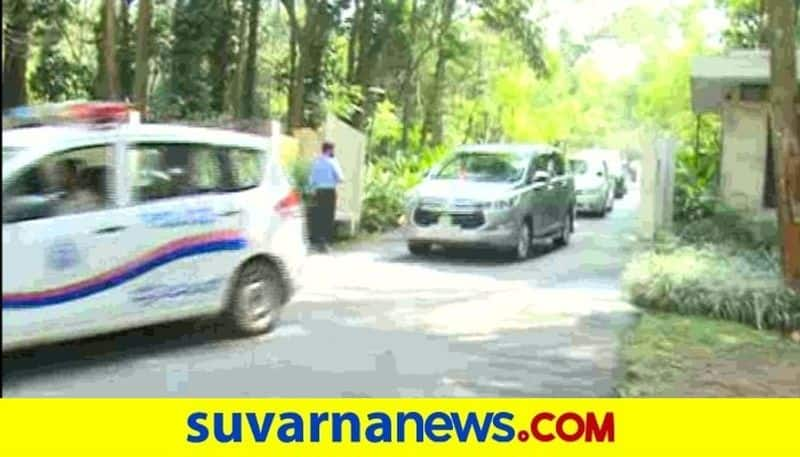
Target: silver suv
{"points": [[495, 195]]}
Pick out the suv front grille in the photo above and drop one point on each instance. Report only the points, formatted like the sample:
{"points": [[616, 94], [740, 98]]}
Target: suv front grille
{"points": [[426, 218]]}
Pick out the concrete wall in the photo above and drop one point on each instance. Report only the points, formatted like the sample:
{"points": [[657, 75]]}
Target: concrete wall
{"points": [[657, 184], [351, 147], [744, 155]]}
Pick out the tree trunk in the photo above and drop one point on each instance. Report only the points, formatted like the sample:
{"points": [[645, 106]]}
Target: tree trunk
{"points": [[142, 71], [783, 94], [311, 43], [15, 48], [125, 55], [352, 43], [294, 31], [108, 76], [249, 89], [241, 64], [432, 124]]}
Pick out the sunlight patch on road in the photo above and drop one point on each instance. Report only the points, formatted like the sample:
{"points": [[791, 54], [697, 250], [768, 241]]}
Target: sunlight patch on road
{"points": [[524, 308]]}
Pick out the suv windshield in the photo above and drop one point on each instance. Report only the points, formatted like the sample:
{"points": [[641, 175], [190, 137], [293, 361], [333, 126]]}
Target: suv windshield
{"points": [[484, 167]]}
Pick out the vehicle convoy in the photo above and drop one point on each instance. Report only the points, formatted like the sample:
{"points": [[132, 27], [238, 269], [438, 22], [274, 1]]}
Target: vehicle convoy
{"points": [[122, 225], [594, 185], [502, 196]]}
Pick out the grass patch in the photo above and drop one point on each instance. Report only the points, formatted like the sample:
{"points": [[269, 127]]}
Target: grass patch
{"points": [[743, 287], [666, 355]]}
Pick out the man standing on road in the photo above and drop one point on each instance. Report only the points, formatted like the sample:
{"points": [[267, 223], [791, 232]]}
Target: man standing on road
{"points": [[326, 174]]}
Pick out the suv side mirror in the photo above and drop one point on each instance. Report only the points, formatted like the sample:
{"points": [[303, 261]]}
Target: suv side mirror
{"points": [[541, 177]]}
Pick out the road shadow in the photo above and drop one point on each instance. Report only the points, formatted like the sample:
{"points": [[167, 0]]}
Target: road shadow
{"points": [[472, 256], [577, 360], [111, 347]]}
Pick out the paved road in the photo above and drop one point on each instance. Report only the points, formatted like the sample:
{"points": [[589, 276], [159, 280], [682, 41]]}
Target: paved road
{"points": [[374, 321]]}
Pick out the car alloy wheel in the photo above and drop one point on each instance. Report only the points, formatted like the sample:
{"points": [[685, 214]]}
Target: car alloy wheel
{"points": [[257, 298], [523, 241], [566, 230]]}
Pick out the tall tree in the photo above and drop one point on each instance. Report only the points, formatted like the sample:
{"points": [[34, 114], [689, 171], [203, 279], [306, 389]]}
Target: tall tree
{"points": [[107, 84], [142, 66], [782, 16], [125, 50], [309, 43], [249, 84], [432, 124], [18, 17], [221, 54]]}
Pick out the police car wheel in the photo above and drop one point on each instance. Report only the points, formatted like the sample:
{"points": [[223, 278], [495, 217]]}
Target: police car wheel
{"points": [[257, 298]]}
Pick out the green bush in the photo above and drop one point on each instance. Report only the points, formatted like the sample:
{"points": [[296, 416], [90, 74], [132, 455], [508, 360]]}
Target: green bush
{"points": [[387, 181], [299, 169], [744, 287], [731, 228], [384, 200]]}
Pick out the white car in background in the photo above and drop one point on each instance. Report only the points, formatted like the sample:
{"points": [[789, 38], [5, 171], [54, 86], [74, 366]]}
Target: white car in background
{"points": [[594, 184], [172, 222]]}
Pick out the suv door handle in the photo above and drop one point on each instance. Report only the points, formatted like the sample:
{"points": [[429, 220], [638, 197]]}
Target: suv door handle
{"points": [[114, 229], [230, 213]]}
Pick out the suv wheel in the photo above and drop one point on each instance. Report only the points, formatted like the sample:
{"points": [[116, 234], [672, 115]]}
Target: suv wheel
{"points": [[419, 248], [566, 230], [523, 248], [257, 298]]}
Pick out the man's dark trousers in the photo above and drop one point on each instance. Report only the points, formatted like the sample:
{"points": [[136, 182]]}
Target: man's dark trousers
{"points": [[323, 216]]}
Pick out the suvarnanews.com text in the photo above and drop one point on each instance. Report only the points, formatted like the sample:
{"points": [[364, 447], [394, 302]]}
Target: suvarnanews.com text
{"points": [[379, 427]]}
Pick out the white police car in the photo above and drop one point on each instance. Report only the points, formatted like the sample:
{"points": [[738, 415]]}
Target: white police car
{"points": [[123, 225]]}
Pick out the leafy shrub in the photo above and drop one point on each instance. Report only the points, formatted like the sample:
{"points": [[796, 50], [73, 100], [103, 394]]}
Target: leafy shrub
{"points": [[384, 200], [697, 168], [387, 181], [732, 228], [744, 287], [299, 169]]}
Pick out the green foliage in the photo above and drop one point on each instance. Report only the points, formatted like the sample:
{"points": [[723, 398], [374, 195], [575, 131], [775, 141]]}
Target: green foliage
{"points": [[386, 184], [299, 169], [730, 228], [714, 283], [697, 169], [747, 24]]}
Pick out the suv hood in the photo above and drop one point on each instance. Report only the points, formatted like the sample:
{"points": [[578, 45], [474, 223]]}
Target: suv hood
{"points": [[449, 189]]}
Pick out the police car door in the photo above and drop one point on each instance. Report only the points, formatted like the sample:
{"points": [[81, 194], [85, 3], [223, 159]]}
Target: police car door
{"points": [[62, 256], [186, 229]]}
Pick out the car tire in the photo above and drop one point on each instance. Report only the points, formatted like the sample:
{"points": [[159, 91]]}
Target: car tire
{"points": [[419, 248], [522, 250], [566, 229], [257, 298]]}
